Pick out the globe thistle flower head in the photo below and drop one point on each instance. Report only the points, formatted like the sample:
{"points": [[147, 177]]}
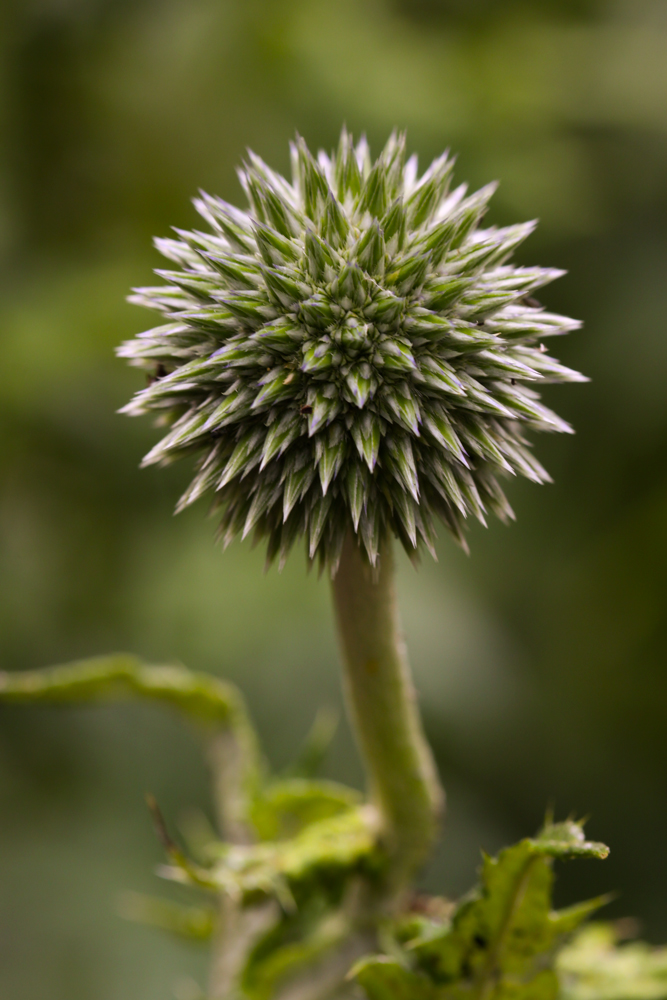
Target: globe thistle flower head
{"points": [[352, 351]]}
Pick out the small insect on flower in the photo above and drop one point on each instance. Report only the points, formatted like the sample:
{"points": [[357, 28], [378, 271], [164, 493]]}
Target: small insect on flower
{"points": [[351, 352]]}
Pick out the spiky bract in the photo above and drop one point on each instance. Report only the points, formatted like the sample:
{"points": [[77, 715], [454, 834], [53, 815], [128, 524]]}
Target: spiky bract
{"points": [[352, 350]]}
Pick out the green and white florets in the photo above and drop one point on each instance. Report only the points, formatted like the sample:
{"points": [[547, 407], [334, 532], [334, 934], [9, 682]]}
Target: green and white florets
{"points": [[352, 351]]}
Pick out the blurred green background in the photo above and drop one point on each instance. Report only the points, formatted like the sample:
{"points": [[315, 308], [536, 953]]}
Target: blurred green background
{"points": [[540, 660]]}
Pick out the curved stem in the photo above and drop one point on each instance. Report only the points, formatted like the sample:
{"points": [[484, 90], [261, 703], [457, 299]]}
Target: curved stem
{"points": [[382, 704], [215, 708]]}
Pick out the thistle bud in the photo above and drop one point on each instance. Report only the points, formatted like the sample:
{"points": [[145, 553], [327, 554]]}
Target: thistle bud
{"points": [[352, 352]]}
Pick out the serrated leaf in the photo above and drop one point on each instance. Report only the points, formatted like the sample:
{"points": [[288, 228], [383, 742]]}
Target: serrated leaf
{"points": [[500, 939]]}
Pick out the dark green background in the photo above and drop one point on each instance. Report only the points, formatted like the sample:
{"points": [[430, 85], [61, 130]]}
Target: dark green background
{"points": [[540, 660]]}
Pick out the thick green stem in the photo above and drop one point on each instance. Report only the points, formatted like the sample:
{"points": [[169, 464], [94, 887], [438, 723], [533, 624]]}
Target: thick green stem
{"points": [[382, 703]]}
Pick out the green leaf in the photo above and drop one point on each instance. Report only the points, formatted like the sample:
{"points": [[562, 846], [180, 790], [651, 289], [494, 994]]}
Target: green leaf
{"points": [[287, 807], [595, 966], [500, 936], [331, 848], [498, 943], [384, 978], [296, 949], [567, 840]]}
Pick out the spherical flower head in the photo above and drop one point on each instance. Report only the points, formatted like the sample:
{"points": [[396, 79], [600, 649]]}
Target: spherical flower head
{"points": [[352, 352]]}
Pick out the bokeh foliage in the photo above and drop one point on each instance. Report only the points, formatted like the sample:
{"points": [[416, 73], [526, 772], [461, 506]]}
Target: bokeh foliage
{"points": [[540, 660]]}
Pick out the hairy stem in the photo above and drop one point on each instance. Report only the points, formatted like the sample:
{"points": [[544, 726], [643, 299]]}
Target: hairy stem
{"points": [[382, 704]]}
